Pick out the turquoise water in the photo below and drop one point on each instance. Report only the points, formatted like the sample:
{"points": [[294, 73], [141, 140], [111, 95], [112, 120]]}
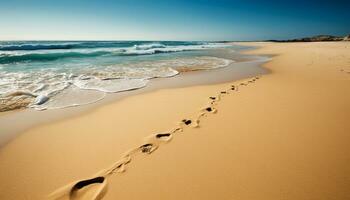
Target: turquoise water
{"points": [[57, 74]]}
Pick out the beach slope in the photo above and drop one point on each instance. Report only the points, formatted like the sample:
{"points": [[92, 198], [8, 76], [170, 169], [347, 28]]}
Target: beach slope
{"points": [[284, 135]]}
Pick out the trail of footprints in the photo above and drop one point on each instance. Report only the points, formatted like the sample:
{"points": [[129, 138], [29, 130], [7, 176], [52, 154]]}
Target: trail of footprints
{"points": [[98, 182]]}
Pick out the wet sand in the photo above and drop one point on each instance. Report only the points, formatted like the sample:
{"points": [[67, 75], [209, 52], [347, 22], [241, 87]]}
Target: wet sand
{"points": [[283, 135]]}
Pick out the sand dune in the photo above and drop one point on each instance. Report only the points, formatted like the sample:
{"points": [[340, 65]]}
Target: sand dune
{"points": [[280, 136]]}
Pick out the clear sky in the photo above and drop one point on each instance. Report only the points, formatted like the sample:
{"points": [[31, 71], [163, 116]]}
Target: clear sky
{"points": [[171, 19]]}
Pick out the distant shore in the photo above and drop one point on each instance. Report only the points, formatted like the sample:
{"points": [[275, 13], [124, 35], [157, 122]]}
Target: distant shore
{"points": [[317, 38]]}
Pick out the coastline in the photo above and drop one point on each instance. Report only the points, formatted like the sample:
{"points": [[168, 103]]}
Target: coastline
{"points": [[287, 129], [246, 66]]}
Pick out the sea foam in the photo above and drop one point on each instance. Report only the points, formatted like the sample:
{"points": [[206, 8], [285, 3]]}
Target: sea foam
{"points": [[51, 75]]}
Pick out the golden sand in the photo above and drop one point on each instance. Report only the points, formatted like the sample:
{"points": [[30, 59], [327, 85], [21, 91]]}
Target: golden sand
{"points": [[282, 136]]}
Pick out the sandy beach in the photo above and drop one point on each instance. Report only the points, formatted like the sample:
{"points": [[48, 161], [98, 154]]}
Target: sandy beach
{"points": [[282, 135]]}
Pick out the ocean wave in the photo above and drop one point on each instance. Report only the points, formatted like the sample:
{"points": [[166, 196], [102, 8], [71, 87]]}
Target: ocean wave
{"points": [[149, 46], [33, 46], [33, 78], [136, 50], [159, 48], [15, 58]]}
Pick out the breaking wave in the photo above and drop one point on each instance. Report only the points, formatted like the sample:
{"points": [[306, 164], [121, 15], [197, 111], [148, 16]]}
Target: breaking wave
{"points": [[37, 53]]}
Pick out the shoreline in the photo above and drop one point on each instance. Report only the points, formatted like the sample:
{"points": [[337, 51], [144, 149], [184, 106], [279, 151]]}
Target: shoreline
{"points": [[288, 128], [29, 118]]}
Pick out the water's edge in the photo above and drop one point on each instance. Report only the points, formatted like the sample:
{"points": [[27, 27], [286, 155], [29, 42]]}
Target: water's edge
{"points": [[14, 123]]}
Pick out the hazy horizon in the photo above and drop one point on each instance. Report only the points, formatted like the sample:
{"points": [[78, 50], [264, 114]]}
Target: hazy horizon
{"points": [[200, 20]]}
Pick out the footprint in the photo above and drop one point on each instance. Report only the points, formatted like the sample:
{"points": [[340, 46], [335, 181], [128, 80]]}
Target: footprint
{"points": [[87, 182], [187, 121], [97, 195], [209, 109], [163, 135], [71, 191], [152, 143], [148, 148], [193, 123], [217, 98]]}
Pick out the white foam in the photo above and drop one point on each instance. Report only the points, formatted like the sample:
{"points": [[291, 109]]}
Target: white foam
{"points": [[159, 48], [149, 46], [71, 97], [112, 85], [52, 89], [40, 99]]}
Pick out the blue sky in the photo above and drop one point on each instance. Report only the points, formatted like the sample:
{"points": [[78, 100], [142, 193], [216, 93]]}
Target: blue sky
{"points": [[170, 19]]}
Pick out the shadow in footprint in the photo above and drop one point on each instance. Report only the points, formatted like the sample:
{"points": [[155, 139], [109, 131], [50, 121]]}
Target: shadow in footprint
{"points": [[163, 135], [209, 109], [77, 190], [87, 182], [187, 121], [194, 123]]}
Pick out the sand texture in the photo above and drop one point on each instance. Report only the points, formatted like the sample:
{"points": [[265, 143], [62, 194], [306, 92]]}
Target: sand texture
{"points": [[283, 135]]}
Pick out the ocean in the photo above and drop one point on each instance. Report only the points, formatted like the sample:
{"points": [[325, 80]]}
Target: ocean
{"points": [[58, 74]]}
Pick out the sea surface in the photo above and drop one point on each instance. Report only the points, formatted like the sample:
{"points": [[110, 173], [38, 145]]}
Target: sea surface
{"points": [[58, 74]]}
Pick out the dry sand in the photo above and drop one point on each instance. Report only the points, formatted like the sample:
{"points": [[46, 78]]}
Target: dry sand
{"points": [[283, 136]]}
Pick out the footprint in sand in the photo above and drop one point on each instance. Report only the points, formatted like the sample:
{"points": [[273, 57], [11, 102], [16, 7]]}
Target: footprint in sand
{"points": [[214, 99], [193, 123], [209, 110], [84, 183], [77, 191], [72, 191], [165, 136], [148, 148], [187, 121], [97, 195]]}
